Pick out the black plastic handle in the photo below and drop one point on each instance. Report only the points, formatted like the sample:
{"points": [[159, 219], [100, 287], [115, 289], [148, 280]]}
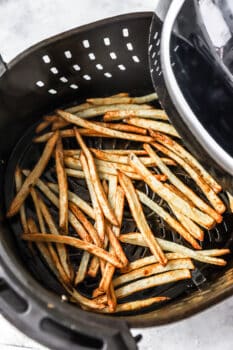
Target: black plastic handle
{"points": [[45, 325]]}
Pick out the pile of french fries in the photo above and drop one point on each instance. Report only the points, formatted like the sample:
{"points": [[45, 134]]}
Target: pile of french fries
{"points": [[111, 177]]}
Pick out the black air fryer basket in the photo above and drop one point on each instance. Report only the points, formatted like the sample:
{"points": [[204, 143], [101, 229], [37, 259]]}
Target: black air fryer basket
{"points": [[99, 59]]}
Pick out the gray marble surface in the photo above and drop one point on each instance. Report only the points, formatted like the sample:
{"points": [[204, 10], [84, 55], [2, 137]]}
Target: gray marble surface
{"points": [[25, 22]]}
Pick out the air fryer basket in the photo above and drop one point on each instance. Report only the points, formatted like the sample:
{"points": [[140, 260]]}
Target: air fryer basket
{"points": [[95, 60]]}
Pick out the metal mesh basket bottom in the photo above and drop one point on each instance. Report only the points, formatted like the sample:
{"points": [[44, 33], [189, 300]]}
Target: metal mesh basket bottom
{"points": [[26, 154]]}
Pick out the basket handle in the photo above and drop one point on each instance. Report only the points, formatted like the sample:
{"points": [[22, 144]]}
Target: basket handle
{"points": [[42, 323]]}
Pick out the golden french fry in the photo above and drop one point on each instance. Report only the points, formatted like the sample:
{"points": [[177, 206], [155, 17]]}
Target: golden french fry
{"points": [[32, 178], [230, 198], [63, 187], [76, 120], [153, 269], [147, 113], [123, 127], [74, 242], [112, 300], [139, 217], [180, 204], [82, 270], [153, 125], [98, 188], [69, 133], [199, 203], [76, 152], [183, 153], [116, 246], [173, 223], [22, 210], [120, 100], [202, 255], [83, 301], [43, 125], [59, 125]]}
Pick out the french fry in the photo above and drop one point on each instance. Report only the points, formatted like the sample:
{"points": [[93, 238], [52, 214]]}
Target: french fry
{"points": [[82, 270], [202, 255], [112, 300], [32, 178], [206, 189], [172, 222], [116, 246], [79, 174], [22, 210], [149, 282], [74, 242], [61, 249], [74, 198], [135, 305], [147, 113], [203, 206], [183, 153], [153, 269], [63, 187], [51, 118], [123, 127], [76, 152], [153, 125], [78, 227], [59, 125], [149, 260], [181, 205], [98, 188], [139, 217], [230, 198], [115, 158], [73, 119], [83, 301], [120, 100], [43, 125]]}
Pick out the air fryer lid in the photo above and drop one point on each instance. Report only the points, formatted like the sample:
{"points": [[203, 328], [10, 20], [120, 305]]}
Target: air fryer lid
{"points": [[188, 75]]}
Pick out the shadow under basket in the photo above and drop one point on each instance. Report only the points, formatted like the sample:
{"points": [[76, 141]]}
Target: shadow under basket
{"points": [[99, 59]]}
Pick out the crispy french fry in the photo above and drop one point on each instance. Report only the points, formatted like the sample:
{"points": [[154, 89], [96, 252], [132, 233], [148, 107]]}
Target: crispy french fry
{"points": [[76, 152], [80, 230], [22, 210], [43, 125], [120, 100], [73, 119], [202, 255], [82, 270], [32, 178], [206, 189], [139, 217], [61, 249], [181, 205], [112, 300], [59, 125], [115, 158], [74, 198], [83, 301], [153, 269], [51, 118], [79, 174], [230, 198], [183, 153], [135, 305], [74, 242], [149, 282], [148, 113], [63, 187], [173, 223], [98, 188], [153, 125], [149, 260], [181, 186], [116, 246], [123, 127]]}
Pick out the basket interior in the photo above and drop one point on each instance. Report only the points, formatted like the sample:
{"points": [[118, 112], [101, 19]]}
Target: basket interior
{"points": [[93, 61]]}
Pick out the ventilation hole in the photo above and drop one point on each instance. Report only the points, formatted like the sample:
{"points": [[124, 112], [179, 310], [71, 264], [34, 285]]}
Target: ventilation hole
{"points": [[39, 83], [176, 48], [173, 64], [113, 55], [86, 44], [54, 70], [157, 42], [68, 54], [52, 91], [125, 32], [91, 56], [99, 66], [87, 77], [121, 67], [107, 42], [155, 62], [152, 70], [157, 69], [46, 59], [108, 75], [129, 46], [156, 35], [14, 301], [136, 59], [153, 54], [76, 67], [74, 86], [64, 79], [160, 73], [150, 47]]}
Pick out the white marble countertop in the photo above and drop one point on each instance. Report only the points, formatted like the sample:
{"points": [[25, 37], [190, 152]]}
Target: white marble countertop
{"points": [[25, 22]]}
